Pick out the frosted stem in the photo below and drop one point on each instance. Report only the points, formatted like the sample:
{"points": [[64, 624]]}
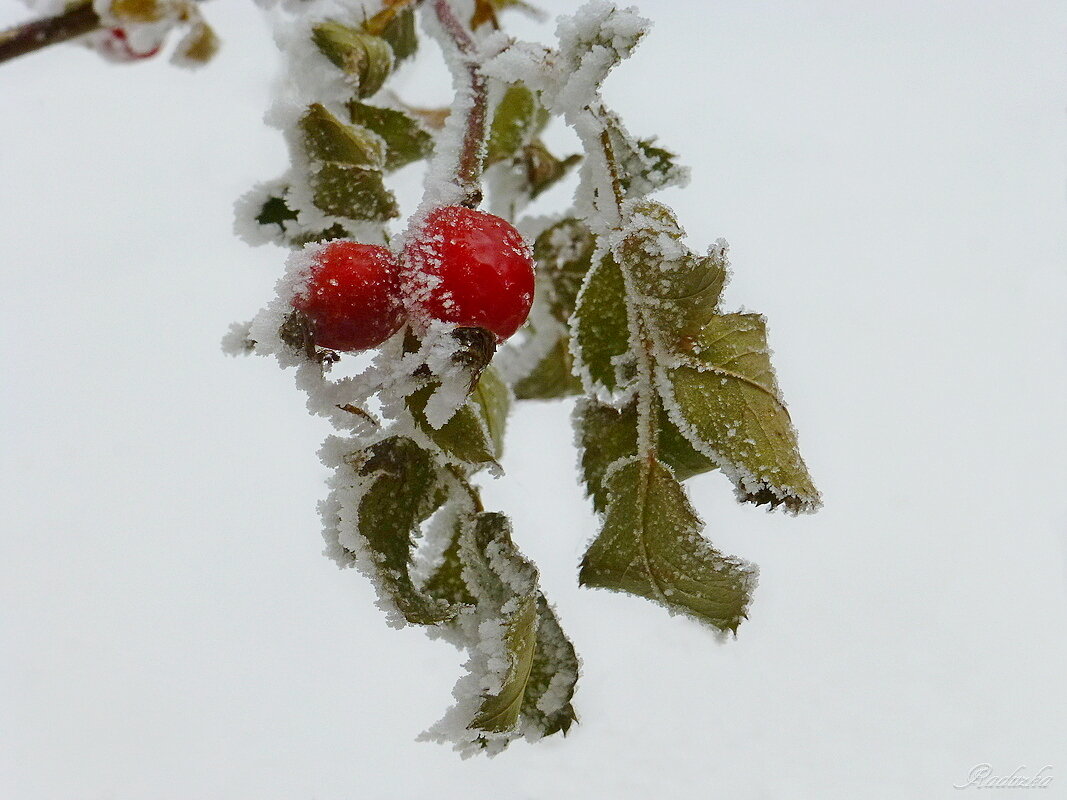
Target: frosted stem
{"points": [[78, 20], [469, 166]]}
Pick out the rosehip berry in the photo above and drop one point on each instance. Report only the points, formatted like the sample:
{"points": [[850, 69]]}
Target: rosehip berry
{"points": [[470, 268], [352, 299], [118, 46]]}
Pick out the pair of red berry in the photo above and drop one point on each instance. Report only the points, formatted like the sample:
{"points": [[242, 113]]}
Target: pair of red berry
{"points": [[464, 267]]}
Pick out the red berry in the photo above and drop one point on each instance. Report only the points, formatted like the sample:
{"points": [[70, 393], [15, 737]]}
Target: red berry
{"points": [[118, 46], [470, 268], [353, 296]]}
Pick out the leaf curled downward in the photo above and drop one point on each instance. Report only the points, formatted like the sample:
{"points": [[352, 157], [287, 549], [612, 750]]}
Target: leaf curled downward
{"points": [[550, 686], [651, 546], [504, 584], [540, 667], [402, 489], [600, 327], [474, 434], [727, 398]]}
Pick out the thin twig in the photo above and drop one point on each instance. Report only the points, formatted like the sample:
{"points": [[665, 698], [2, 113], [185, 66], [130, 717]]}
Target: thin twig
{"points": [[76, 21]]}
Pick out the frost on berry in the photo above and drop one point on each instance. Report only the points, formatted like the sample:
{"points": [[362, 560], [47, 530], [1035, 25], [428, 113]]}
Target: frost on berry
{"points": [[471, 269], [352, 297]]}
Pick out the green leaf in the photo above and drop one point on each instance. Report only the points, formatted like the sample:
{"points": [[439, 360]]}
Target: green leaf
{"points": [[275, 211], [645, 168], [607, 434], [406, 140], [728, 401], [446, 581], [564, 253], [677, 290], [343, 190], [651, 546], [544, 170], [335, 231], [553, 377], [678, 453], [326, 139], [466, 437], [346, 163], [402, 489], [505, 586], [513, 123], [493, 401], [553, 674], [363, 56], [399, 31], [600, 326]]}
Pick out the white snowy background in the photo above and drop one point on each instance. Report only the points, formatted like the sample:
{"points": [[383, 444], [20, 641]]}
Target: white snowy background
{"points": [[891, 179]]}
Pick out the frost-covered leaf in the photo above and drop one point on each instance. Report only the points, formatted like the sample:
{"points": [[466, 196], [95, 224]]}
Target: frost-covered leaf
{"points": [[643, 167], [679, 291], [563, 253], [365, 57], [513, 123], [333, 232], [405, 139], [599, 327], [546, 704], [493, 401], [607, 434], [475, 433], [530, 666], [651, 546], [504, 584], [446, 581], [726, 400], [553, 377], [346, 162], [678, 453], [402, 489], [275, 211], [543, 170], [343, 190], [327, 139], [398, 29], [592, 43]]}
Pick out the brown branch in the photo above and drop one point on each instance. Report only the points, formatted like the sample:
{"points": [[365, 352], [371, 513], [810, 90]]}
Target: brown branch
{"points": [[469, 168], [77, 21]]}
